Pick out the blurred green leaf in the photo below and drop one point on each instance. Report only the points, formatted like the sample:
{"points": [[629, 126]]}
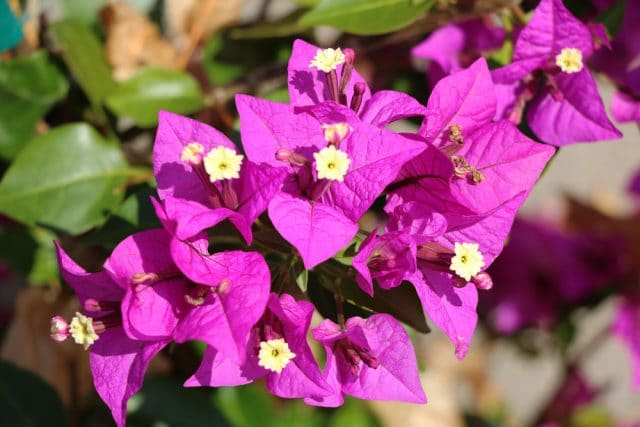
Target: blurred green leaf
{"points": [[219, 72], [69, 179], [354, 413], [246, 406], [307, 2], [135, 214], [155, 89], [84, 55], [45, 262], [367, 16], [302, 280], [29, 85], [26, 400], [287, 26], [503, 56], [278, 95], [82, 11], [591, 416], [612, 17], [297, 413], [164, 400], [11, 33], [17, 248]]}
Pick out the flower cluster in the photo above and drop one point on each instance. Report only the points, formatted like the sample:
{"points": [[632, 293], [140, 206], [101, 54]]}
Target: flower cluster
{"points": [[315, 166]]}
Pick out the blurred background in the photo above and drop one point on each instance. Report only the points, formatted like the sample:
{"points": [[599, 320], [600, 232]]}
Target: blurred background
{"points": [[81, 82]]}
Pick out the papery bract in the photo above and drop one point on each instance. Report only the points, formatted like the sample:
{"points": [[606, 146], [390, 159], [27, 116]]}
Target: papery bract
{"points": [[371, 359], [219, 309], [285, 319], [190, 198], [454, 46], [118, 363], [308, 86], [568, 107], [316, 216], [553, 269]]}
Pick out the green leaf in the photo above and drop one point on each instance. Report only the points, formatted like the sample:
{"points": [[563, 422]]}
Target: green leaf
{"points": [[503, 56], [86, 12], [155, 89], [612, 17], [354, 413], [164, 401], [44, 270], [135, 214], [68, 179], [302, 280], [367, 16], [17, 248], [29, 86], [26, 400], [84, 55], [287, 26], [245, 406]]}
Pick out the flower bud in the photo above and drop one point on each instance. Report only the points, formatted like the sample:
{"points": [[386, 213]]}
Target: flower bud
{"points": [[59, 329], [482, 281]]}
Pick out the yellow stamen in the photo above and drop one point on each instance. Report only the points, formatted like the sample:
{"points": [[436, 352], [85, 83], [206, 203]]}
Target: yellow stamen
{"points": [[274, 355], [81, 328], [569, 60], [331, 163], [327, 59], [222, 163], [468, 260], [192, 153]]}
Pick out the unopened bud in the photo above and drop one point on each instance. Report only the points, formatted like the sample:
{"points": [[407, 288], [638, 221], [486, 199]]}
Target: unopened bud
{"points": [[482, 281], [59, 329], [358, 92]]}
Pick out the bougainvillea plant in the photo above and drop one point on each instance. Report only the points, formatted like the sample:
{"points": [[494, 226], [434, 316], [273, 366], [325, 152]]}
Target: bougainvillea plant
{"points": [[296, 187]]}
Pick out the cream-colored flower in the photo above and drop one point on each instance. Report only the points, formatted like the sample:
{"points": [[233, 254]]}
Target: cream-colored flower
{"points": [[570, 60], [274, 355], [467, 261], [222, 163], [81, 328], [327, 59], [331, 163]]}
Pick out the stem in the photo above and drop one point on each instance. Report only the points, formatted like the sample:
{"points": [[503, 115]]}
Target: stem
{"points": [[339, 303], [519, 14]]}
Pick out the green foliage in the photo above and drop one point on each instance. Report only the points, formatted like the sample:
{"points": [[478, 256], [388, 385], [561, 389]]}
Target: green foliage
{"points": [[612, 17], [135, 214], [29, 86], [26, 400], [69, 179], [164, 401], [83, 54], [354, 413], [367, 16], [154, 89]]}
